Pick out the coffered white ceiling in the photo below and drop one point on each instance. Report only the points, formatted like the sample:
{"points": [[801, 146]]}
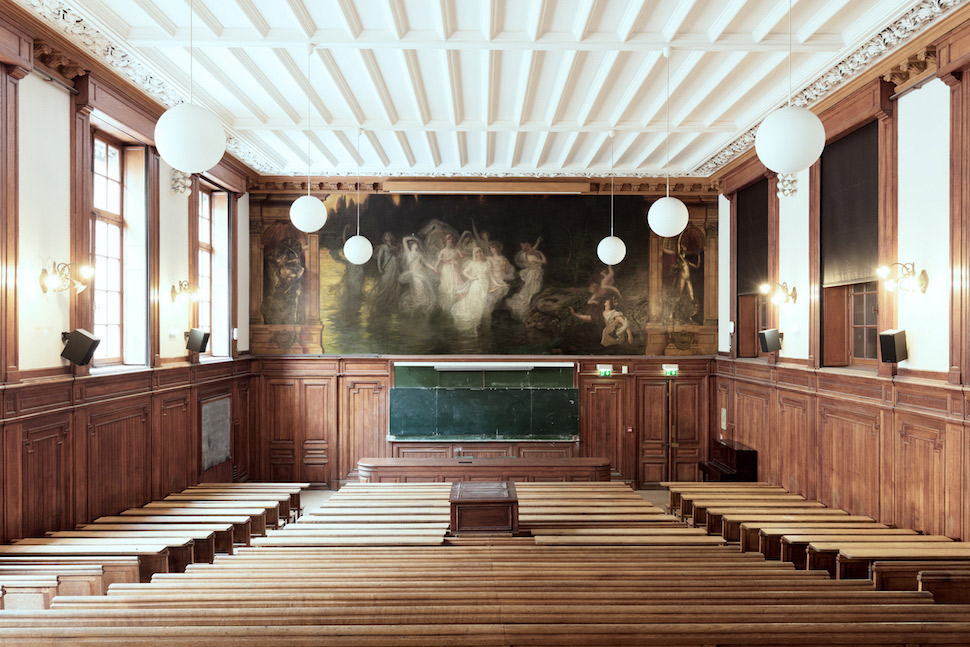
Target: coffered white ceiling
{"points": [[489, 87]]}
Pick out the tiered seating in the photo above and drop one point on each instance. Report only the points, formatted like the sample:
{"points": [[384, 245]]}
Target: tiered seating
{"points": [[123, 549], [500, 591]]}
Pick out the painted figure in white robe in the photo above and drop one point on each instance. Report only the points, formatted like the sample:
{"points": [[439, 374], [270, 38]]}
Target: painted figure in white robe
{"points": [[469, 306], [448, 268], [388, 264], [419, 295], [500, 272], [532, 263]]}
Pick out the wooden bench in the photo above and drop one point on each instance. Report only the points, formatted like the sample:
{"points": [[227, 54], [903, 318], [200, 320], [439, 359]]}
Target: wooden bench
{"points": [[902, 575], [267, 511], [222, 533], [241, 525], [713, 507], [855, 560], [794, 547], [687, 499], [72, 579], [948, 587], [181, 551], [764, 536], [281, 508], [115, 569], [731, 521], [770, 538], [256, 519], [203, 542], [28, 592], [152, 558]]}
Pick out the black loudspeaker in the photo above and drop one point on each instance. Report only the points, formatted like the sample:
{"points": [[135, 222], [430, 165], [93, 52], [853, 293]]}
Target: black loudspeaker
{"points": [[770, 340], [893, 345], [197, 340], [79, 346]]}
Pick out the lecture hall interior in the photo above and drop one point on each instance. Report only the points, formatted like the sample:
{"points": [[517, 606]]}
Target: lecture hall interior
{"points": [[415, 323]]}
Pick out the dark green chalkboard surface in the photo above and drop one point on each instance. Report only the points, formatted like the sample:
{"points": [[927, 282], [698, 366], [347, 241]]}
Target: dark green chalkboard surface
{"points": [[538, 405]]}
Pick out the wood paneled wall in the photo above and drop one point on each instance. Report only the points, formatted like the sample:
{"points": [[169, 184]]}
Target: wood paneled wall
{"points": [[317, 416], [74, 449], [897, 449]]}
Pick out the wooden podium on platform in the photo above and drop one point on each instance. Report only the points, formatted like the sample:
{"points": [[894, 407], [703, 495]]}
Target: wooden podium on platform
{"points": [[484, 508]]}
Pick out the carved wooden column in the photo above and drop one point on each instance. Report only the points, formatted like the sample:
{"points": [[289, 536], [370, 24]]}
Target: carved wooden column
{"points": [[82, 190], [155, 295], [888, 243], [773, 249], [9, 217]]}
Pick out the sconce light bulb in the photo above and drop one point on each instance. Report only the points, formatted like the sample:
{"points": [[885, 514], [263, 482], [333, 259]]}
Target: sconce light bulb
{"points": [[882, 272], [86, 272], [764, 287], [907, 283], [195, 296], [891, 285], [779, 297], [52, 281]]}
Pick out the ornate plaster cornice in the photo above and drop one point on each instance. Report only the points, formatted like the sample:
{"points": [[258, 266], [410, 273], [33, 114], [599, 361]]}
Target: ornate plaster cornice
{"points": [[888, 39]]}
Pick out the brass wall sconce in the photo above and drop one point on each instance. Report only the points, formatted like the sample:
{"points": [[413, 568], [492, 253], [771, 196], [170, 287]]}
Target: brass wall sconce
{"points": [[906, 277], [184, 288], [783, 294], [58, 278]]}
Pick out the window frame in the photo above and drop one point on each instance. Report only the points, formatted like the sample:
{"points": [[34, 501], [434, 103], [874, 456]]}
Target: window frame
{"points": [[205, 193], [112, 219]]}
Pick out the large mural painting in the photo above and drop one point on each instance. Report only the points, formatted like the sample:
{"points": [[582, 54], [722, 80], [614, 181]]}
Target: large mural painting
{"points": [[491, 275]]}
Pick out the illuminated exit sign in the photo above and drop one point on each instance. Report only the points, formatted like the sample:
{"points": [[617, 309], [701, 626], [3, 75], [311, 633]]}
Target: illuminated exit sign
{"points": [[670, 370], [604, 370]]}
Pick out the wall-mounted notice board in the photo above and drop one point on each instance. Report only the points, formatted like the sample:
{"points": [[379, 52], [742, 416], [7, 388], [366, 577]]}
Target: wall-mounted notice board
{"points": [[536, 403]]}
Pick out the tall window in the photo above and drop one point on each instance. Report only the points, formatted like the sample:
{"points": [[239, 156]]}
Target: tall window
{"points": [[751, 266], [108, 245], [863, 324], [205, 263]]}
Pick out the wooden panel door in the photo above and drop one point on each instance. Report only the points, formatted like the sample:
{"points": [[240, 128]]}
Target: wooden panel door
{"points": [[794, 452], [38, 479], [927, 486], [850, 457], [603, 422], [653, 425], [688, 428], [282, 428], [175, 450], [319, 407], [363, 422]]}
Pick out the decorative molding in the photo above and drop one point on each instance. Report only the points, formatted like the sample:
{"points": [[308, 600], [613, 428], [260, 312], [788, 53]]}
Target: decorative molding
{"points": [[787, 185], [57, 61], [911, 67], [889, 38], [181, 182]]}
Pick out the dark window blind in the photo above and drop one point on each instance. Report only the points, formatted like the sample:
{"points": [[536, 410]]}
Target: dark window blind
{"points": [[849, 224], [752, 237]]}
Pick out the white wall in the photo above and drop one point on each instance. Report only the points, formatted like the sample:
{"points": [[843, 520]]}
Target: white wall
{"points": [[723, 274], [793, 268], [242, 273], [173, 252], [45, 218], [924, 222]]}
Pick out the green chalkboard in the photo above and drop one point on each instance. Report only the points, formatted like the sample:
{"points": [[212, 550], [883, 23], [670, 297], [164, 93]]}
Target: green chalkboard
{"points": [[445, 414]]}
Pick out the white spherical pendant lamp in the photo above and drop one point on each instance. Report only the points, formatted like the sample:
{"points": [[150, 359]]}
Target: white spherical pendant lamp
{"points": [[790, 139], [190, 138], [308, 213], [358, 249], [667, 217], [611, 250]]}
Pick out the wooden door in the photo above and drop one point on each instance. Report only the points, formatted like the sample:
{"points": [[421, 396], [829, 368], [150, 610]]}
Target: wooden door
{"points": [[605, 425], [652, 423], [363, 422], [688, 427]]}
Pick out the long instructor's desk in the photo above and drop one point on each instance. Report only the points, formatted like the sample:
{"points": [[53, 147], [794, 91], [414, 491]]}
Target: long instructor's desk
{"points": [[416, 470]]}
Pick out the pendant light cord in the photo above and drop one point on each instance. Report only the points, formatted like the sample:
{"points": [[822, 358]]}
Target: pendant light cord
{"points": [[611, 184], [789, 52], [668, 124], [358, 181], [309, 131], [191, 55]]}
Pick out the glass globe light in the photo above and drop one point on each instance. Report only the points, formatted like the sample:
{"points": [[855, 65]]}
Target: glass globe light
{"points": [[667, 217], [790, 139], [611, 250], [190, 138], [308, 213], [358, 249]]}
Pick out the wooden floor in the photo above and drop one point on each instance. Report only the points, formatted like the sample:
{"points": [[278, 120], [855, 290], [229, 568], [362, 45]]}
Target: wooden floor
{"points": [[595, 564]]}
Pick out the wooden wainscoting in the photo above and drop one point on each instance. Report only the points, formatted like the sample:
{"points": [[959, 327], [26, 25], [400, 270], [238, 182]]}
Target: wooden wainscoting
{"points": [[77, 448], [897, 449]]}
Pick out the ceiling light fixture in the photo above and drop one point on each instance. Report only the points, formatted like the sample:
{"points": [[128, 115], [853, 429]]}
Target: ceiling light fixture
{"points": [[611, 249], [189, 137], [308, 213], [668, 216], [358, 249], [790, 139]]}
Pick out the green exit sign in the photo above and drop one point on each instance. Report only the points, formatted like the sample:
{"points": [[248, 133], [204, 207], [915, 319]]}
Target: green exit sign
{"points": [[671, 370], [604, 370]]}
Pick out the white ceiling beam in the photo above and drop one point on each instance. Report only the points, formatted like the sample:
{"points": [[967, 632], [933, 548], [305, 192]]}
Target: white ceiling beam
{"points": [[678, 75], [380, 86], [488, 141], [776, 95], [433, 148], [304, 18], [350, 146], [624, 143], [453, 66], [290, 144], [728, 13], [320, 146], [683, 141], [634, 87], [330, 64], [268, 86], [569, 148], [630, 19], [160, 17], [647, 151], [676, 19], [773, 16], [491, 84], [531, 63], [583, 19], [227, 82], [209, 18], [493, 11], [476, 126], [594, 149], [821, 16], [298, 73], [256, 19], [536, 21], [515, 151], [375, 143], [461, 143], [269, 151], [348, 12], [472, 41], [402, 141], [106, 19], [592, 95], [700, 96], [563, 85], [542, 146], [398, 18], [417, 85], [445, 20], [744, 84]]}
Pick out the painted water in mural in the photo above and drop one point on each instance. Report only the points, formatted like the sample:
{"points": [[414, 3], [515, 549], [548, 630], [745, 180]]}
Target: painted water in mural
{"points": [[494, 274]]}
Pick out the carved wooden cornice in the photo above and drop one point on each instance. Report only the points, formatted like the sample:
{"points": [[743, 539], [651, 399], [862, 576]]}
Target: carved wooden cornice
{"points": [[57, 62], [912, 67]]}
